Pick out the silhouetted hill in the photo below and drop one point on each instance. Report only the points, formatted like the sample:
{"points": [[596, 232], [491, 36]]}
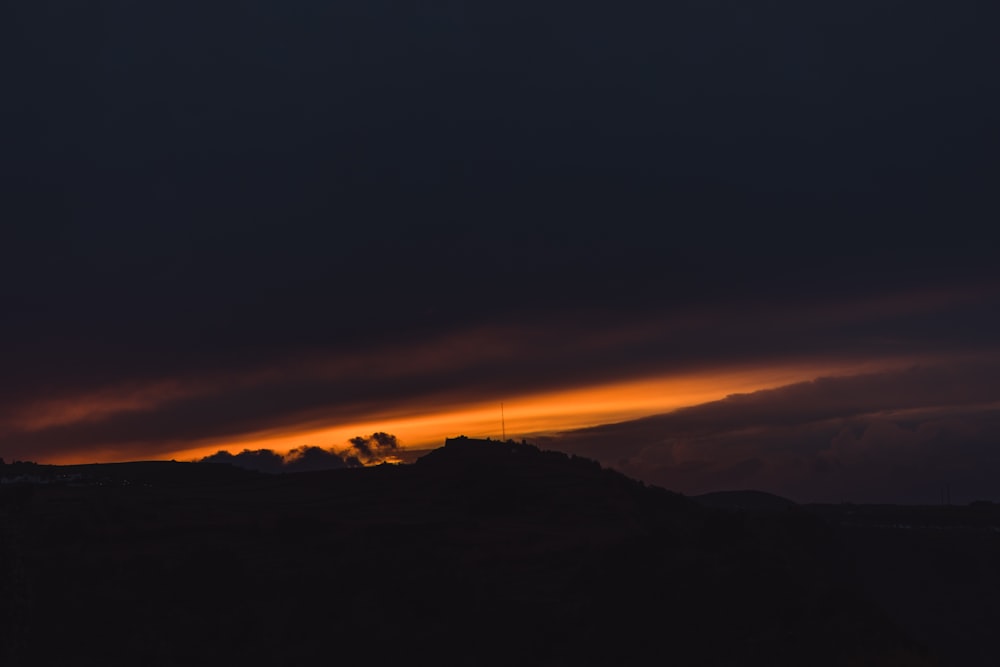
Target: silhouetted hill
{"points": [[480, 553], [746, 501]]}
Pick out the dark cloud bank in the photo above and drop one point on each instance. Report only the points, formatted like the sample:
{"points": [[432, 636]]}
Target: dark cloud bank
{"points": [[903, 436], [201, 188], [219, 195]]}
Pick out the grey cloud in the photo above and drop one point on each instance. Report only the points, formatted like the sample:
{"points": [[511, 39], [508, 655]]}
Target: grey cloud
{"points": [[300, 459], [260, 460], [373, 448], [638, 173], [303, 459], [895, 436]]}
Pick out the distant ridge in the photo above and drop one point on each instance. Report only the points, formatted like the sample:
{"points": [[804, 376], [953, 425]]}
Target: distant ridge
{"points": [[746, 500]]}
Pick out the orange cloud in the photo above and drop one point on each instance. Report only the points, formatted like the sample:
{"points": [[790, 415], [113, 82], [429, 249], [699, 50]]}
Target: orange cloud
{"points": [[55, 412]]}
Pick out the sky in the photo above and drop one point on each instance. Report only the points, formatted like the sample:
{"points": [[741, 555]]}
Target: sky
{"points": [[714, 244]]}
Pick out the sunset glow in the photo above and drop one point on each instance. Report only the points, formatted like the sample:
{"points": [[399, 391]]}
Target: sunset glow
{"points": [[531, 414], [483, 326]]}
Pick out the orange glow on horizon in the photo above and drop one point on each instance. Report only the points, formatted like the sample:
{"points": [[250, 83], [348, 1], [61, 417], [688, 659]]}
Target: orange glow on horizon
{"points": [[530, 414]]}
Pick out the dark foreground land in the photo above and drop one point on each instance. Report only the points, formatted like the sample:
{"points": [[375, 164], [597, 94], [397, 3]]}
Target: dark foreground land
{"points": [[934, 569], [478, 554]]}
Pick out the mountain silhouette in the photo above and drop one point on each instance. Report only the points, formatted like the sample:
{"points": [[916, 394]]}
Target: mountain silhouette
{"points": [[480, 553]]}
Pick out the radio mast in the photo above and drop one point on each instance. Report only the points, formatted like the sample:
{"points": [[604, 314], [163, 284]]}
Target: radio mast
{"points": [[503, 424]]}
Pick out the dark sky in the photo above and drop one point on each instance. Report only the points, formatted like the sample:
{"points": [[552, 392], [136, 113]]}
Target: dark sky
{"points": [[250, 217]]}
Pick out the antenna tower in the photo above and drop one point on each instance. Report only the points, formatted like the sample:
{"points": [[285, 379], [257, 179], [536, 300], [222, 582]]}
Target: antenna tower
{"points": [[503, 424]]}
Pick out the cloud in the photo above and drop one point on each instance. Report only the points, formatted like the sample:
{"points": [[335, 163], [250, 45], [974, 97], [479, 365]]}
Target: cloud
{"points": [[304, 459], [301, 459], [138, 404], [374, 448], [363, 450], [890, 436], [237, 282], [124, 417], [260, 460]]}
